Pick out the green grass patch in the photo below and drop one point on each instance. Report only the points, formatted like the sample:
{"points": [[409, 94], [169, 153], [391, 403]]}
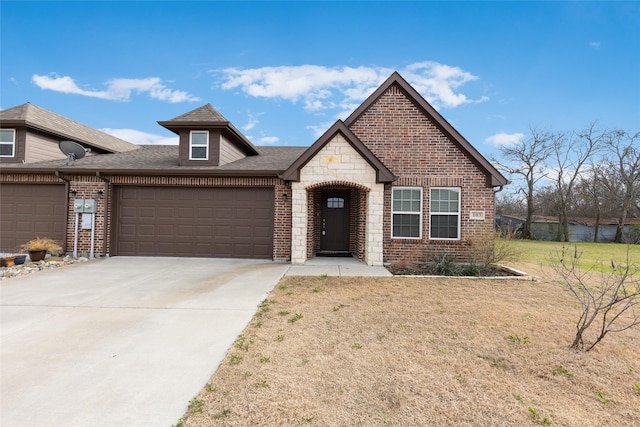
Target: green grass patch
{"points": [[597, 256]]}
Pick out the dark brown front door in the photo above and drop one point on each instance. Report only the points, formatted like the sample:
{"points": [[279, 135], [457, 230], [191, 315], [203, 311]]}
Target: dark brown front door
{"points": [[335, 222]]}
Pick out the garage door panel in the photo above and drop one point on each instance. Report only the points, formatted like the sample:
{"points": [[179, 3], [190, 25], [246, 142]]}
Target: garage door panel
{"points": [[262, 213], [244, 213], [264, 250], [202, 231], [208, 222], [143, 195], [242, 231], [23, 209], [185, 214], [222, 231], [223, 213], [264, 197], [31, 210], [205, 212], [224, 195], [164, 230], [261, 231], [184, 232], [127, 212], [146, 212]]}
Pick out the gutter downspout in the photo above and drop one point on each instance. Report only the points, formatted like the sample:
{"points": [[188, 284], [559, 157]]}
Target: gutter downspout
{"points": [[107, 195], [495, 210]]}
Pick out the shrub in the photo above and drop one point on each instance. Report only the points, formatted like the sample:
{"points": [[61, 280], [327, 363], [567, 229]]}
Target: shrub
{"points": [[42, 244], [445, 265], [608, 303]]}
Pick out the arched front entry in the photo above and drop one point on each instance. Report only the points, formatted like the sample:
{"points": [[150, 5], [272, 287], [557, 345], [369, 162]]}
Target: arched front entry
{"points": [[340, 218], [337, 220], [335, 172]]}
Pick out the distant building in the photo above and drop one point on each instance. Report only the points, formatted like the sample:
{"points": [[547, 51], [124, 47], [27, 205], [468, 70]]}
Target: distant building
{"points": [[580, 229]]}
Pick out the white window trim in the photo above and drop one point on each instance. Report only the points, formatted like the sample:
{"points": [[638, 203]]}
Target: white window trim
{"points": [[459, 213], [206, 157], [409, 213], [13, 144]]}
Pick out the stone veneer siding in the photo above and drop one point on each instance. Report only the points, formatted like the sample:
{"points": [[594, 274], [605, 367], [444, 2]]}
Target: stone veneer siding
{"points": [[337, 165], [87, 187], [418, 153]]}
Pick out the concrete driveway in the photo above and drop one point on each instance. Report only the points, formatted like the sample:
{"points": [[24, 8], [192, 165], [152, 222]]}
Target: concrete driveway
{"points": [[123, 341]]}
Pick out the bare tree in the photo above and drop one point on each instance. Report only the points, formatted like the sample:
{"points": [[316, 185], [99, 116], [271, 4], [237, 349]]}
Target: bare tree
{"points": [[545, 200], [610, 304], [622, 164], [507, 203], [571, 152], [590, 195], [527, 160]]}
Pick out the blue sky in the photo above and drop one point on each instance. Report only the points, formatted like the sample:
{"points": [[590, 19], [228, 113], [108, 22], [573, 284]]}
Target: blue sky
{"points": [[283, 72]]}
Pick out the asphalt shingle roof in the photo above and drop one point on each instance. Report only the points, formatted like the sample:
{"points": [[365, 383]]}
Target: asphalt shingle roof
{"points": [[164, 159], [35, 117]]}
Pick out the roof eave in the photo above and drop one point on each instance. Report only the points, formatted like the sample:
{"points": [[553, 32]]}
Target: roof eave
{"points": [[72, 170], [176, 127]]}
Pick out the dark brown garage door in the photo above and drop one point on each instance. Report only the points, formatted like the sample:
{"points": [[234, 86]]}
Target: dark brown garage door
{"points": [[31, 210], [198, 222]]}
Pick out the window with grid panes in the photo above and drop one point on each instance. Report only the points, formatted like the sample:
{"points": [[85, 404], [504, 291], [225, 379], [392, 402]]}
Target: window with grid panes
{"points": [[406, 212], [444, 213]]}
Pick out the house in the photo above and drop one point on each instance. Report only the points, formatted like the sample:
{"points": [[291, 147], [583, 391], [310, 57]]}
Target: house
{"points": [[394, 181], [580, 229]]}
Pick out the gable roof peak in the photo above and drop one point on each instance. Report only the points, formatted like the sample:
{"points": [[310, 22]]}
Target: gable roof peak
{"points": [[203, 114], [496, 178], [207, 117], [383, 174]]}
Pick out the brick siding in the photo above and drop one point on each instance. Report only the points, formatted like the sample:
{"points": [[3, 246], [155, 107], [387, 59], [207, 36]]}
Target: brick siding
{"points": [[420, 154]]}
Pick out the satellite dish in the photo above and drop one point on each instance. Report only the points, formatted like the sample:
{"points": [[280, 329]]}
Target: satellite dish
{"points": [[73, 151]]}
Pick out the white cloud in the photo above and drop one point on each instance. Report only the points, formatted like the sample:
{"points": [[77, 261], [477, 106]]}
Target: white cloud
{"points": [[116, 89], [437, 83], [252, 121], [319, 129], [322, 88], [141, 138], [505, 138], [594, 45], [268, 140]]}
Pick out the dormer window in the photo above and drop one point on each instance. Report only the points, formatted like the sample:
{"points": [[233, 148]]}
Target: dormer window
{"points": [[199, 145], [7, 142]]}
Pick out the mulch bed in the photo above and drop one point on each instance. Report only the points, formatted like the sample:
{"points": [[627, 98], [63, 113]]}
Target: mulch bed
{"points": [[462, 271]]}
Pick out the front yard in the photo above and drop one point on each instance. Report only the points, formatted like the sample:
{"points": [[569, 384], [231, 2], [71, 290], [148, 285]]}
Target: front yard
{"points": [[331, 351]]}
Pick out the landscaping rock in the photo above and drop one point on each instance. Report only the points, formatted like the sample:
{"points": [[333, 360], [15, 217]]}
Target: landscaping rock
{"points": [[33, 267]]}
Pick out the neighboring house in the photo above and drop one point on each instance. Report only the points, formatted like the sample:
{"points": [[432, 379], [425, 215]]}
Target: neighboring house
{"points": [[393, 182], [580, 229]]}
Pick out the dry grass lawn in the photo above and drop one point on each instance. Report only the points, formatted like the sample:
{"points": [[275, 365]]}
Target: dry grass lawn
{"points": [[340, 351]]}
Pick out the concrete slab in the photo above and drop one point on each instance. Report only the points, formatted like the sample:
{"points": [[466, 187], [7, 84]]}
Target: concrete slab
{"points": [[337, 266], [123, 341]]}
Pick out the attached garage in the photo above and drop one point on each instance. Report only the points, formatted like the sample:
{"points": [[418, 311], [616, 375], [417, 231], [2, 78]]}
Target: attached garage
{"points": [[193, 222], [31, 210]]}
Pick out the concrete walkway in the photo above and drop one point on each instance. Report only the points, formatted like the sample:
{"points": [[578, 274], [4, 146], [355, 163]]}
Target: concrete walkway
{"points": [[337, 266], [125, 341]]}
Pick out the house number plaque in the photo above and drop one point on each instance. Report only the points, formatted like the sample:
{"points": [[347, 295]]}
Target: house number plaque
{"points": [[476, 215]]}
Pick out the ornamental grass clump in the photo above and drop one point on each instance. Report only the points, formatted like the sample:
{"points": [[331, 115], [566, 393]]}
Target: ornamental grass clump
{"points": [[42, 244]]}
